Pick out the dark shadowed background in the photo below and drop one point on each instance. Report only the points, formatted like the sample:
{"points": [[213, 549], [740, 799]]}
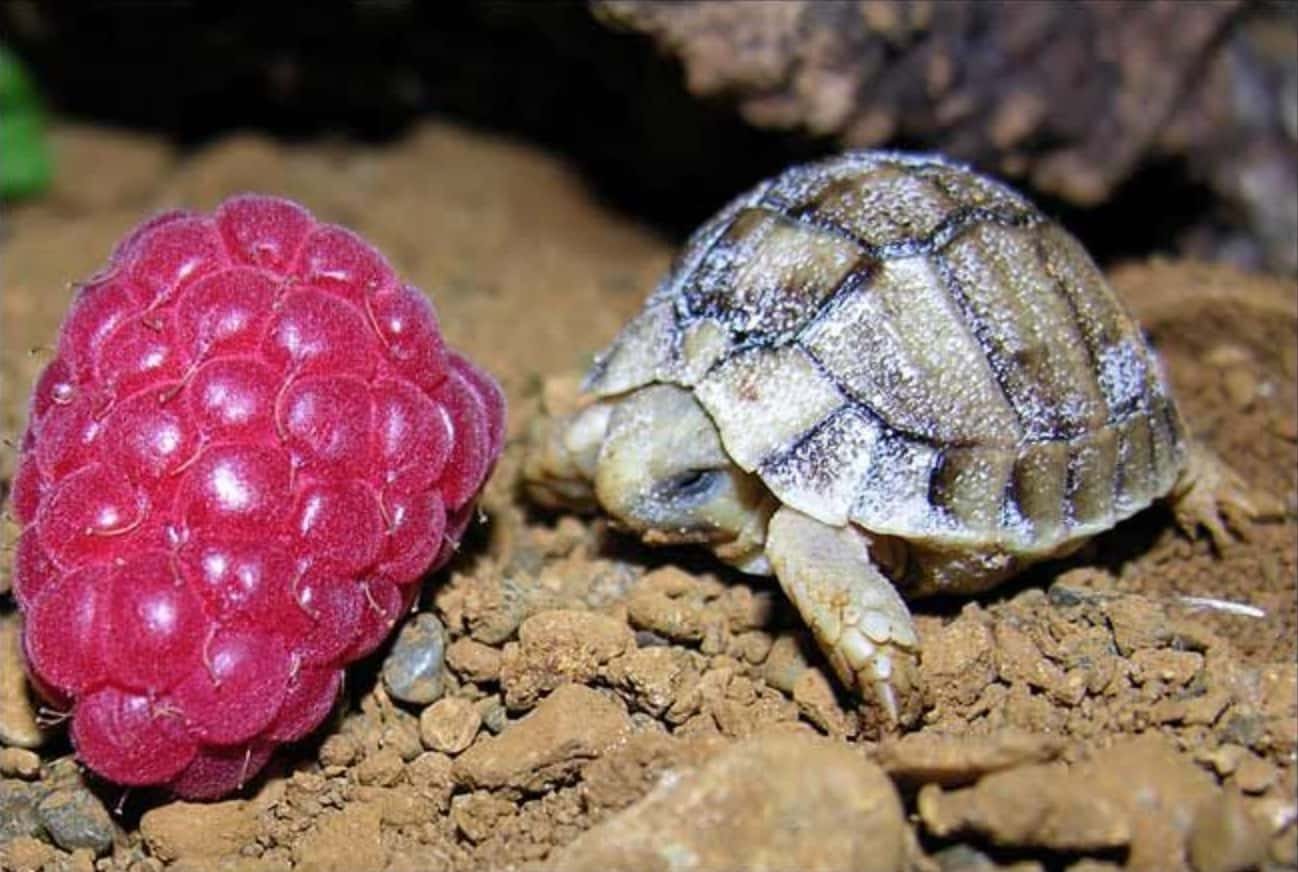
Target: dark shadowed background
{"points": [[1166, 126]]}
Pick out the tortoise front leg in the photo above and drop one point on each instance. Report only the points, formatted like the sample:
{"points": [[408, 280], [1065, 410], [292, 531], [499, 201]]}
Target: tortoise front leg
{"points": [[855, 613]]}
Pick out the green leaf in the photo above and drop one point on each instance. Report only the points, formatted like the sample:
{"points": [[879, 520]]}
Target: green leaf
{"points": [[25, 165]]}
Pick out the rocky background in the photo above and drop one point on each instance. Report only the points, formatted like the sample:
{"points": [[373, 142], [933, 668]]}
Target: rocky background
{"points": [[1166, 125], [1155, 104], [566, 698]]}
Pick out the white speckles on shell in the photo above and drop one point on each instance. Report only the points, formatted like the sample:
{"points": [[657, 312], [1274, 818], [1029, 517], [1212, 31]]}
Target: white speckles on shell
{"points": [[646, 345], [1135, 468], [899, 344], [968, 487], [892, 496], [963, 187], [798, 185], [970, 189], [764, 399], [1168, 452], [885, 205], [820, 474], [1093, 460], [704, 344], [1028, 330], [699, 245], [1039, 482], [1126, 371], [963, 377], [1123, 375], [768, 274]]}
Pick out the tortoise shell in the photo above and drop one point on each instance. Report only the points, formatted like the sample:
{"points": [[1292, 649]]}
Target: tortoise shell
{"points": [[896, 341]]}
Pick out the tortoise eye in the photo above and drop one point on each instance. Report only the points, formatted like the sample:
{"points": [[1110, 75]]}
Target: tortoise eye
{"points": [[691, 486]]}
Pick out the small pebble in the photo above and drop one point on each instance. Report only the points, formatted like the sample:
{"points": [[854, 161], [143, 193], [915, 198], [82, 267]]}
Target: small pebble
{"points": [[1227, 355], [307, 782], [817, 702], [339, 749], [1241, 386], [381, 769], [25, 853], [18, 815], [449, 725], [964, 858], [81, 860], [493, 712], [478, 815], [19, 762], [546, 747], [754, 646], [785, 662], [430, 774], [474, 661], [414, 670], [649, 639], [403, 738], [1254, 774], [75, 818], [1224, 759]]}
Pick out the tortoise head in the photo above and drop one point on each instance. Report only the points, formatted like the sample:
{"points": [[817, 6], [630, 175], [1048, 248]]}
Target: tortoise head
{"points": [[653, 460]]}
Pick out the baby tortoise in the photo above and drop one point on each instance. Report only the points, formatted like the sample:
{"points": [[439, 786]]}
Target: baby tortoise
{"points": [[879, 376]]}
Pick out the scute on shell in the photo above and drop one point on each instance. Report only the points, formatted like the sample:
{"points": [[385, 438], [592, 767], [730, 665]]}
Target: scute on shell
{"points": [[896, 341]]}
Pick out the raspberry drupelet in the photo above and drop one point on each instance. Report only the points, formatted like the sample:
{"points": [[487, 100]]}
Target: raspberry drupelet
{"points": [[251, 446]]}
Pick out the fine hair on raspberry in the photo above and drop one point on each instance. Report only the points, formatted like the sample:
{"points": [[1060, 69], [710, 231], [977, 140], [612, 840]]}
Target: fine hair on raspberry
{"points": [[251, 446]]}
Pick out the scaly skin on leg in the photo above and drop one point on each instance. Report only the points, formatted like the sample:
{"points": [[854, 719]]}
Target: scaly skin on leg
{"points": [[1212, 495], [857, 616]]}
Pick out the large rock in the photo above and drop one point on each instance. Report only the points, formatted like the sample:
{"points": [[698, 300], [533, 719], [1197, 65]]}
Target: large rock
{"points": [[194, 831], [1013, 88], [776, 802], [571, 726], [346, 841], [1140, 795]]}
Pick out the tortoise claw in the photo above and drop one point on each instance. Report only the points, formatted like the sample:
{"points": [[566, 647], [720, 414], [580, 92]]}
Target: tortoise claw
{"points": [[892, 676], [857, 617], [1212, 496]]}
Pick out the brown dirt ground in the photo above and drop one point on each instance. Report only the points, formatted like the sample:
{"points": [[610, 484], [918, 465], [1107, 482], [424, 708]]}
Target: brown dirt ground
{"points": [[611, 706]]}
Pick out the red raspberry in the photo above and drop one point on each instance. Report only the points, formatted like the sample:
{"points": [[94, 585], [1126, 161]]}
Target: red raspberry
{"points": [[250, 447]]}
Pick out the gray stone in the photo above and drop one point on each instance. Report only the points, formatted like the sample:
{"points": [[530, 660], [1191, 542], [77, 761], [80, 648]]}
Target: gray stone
{"points": [[494, 715], [415, 668], [18, 817], [75, 818]]}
